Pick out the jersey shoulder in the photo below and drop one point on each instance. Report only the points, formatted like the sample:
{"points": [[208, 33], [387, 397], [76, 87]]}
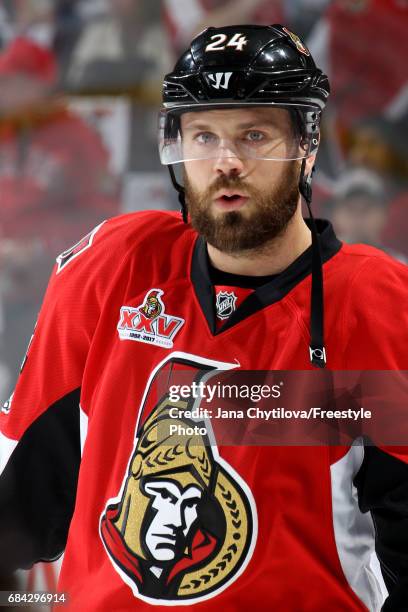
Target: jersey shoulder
{"points": [[367, 268], [119, 249], [114, 239], [373, 316]]}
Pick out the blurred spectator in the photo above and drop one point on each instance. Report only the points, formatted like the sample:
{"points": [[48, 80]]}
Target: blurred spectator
{"points": [[119, 51], [124, 51], [50, 23], [55, 183], [34, 19], [28, 71], [54, 175], [358, 42], [359, 209], [380, 145], [361, 43]]}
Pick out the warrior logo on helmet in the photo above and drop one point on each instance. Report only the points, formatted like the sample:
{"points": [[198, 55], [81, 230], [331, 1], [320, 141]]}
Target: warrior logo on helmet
{"points": [[184, 525]]}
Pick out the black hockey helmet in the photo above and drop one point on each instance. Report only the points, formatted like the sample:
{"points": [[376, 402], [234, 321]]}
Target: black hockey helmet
{"points": [[243, 66], [268, 64]]}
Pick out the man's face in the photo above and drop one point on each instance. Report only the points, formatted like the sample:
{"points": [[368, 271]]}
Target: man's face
{"points": [[151, 307], [174, 511], [237, 202]]}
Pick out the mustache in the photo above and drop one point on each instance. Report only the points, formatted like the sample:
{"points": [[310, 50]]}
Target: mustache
{"points": [[228, 182]]}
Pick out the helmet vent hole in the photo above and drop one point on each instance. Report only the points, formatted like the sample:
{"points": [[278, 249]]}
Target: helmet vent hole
{"points": [[176, 91], [286, 85]]}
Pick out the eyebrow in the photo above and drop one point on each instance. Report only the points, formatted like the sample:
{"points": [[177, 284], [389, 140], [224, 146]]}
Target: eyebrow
{"points": [[196, 125]]}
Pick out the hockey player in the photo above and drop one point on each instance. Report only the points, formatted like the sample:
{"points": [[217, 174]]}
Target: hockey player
{"points": [[148, 518]]}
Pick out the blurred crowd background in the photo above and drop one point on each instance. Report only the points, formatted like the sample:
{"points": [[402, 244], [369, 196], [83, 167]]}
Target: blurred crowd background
{"points": [[80, 86]]}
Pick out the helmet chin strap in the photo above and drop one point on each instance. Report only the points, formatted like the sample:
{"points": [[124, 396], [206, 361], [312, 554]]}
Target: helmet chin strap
{"points": [[317, 349], [181, 194]]}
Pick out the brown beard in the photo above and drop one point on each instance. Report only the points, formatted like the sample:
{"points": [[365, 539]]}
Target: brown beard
{"points": [[233, 232]]}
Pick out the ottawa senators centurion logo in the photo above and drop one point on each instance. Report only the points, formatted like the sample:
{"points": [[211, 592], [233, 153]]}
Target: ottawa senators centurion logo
{"points": [[184, 524], [299, 45], [152, 305]]}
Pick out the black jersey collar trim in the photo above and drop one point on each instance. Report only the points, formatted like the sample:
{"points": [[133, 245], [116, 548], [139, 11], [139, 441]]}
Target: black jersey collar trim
{"points": [[265, 295], [237, 280]]}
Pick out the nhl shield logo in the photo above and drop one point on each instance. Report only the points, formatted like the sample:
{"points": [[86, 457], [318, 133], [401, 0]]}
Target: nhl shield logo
{"points": [[225, 304]]}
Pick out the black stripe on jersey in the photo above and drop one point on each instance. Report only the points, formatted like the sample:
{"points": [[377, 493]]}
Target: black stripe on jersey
{"points": [[382, 485], [266, 294], [38, 487]]}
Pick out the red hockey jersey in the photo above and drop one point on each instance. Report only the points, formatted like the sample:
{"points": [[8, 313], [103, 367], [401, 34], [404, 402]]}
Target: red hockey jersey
{"points": [[148, 518]]}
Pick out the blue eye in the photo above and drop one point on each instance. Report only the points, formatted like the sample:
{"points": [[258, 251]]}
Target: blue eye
{"points": [[255, 136], [206, 138]]}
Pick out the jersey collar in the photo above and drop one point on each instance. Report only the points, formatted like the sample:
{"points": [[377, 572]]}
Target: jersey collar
{"points": [[265, 295]]}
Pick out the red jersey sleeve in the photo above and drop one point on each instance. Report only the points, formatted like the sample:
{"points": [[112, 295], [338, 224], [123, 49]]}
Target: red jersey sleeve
{"points": [[376, 338], [40, 423]]}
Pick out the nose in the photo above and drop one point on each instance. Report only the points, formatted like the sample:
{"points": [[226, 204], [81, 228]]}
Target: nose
{"points": [[174, 516], [227, 161]]}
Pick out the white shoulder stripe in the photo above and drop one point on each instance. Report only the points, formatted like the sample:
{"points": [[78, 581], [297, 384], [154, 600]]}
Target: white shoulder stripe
{"points": [[83, 426], [354, 531], [7, 445]]}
